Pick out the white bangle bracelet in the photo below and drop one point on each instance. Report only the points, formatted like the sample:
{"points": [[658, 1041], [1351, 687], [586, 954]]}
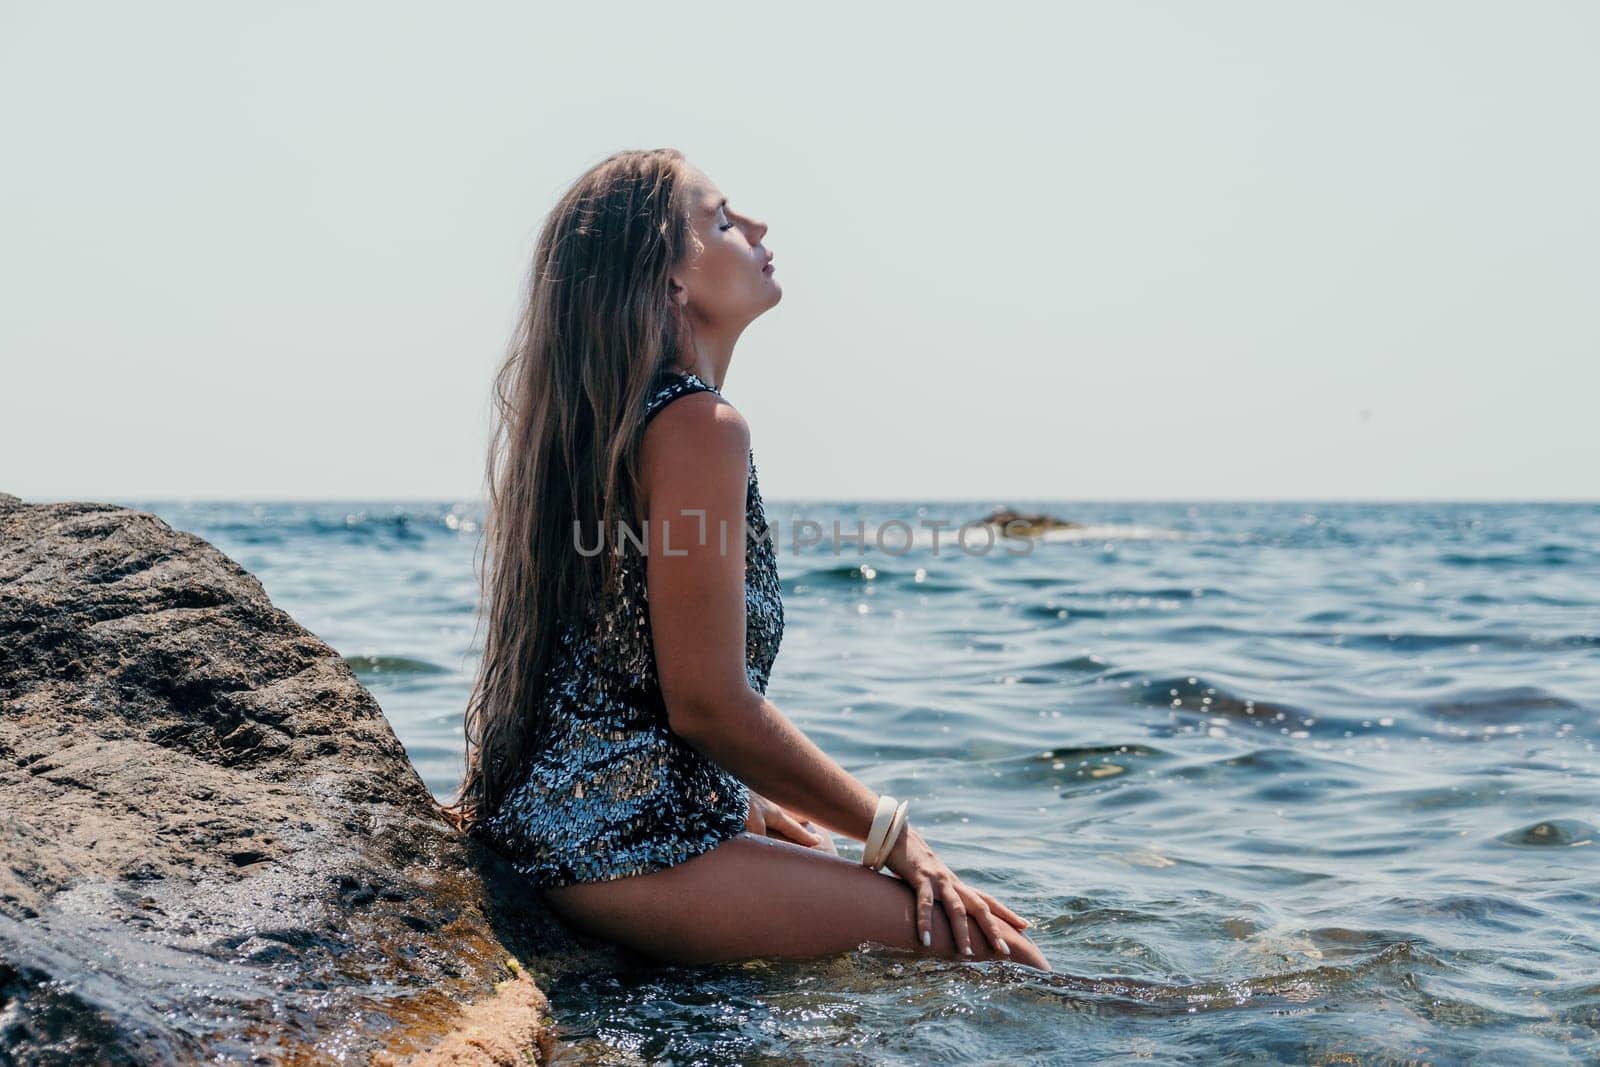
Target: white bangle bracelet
{"points": [[880, 826], [896, 824]]}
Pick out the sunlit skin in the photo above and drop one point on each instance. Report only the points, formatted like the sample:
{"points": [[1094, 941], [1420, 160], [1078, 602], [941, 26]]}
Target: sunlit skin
{"points": [[779, 888], [727, 284]]}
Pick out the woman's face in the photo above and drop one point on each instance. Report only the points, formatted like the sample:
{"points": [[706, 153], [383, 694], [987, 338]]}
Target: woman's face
{"points": [[729, 281]]}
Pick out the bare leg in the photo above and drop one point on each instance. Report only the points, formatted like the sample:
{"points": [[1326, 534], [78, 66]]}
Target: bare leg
{"points": [[760, 896]]}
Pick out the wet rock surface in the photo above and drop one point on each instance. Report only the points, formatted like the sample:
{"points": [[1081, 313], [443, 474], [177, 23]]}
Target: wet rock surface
{"points": [[212, 845]]}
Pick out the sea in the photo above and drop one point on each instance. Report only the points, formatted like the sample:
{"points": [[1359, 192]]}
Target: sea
{"points": [[1286, 782]]}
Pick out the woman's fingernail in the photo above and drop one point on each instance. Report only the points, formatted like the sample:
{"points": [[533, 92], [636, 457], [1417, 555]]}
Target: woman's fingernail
{"points": [[967, 951], [927, 939], [1005, 948]]}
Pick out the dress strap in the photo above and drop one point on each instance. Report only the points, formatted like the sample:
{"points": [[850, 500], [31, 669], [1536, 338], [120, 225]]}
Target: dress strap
{"points": [[671, 384]]}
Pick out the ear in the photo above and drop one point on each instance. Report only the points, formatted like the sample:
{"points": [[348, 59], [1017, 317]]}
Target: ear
{"points": [[676, 292]]}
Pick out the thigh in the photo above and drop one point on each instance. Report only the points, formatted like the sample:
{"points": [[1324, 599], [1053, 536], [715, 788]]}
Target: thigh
{"points": [[760, 896]]}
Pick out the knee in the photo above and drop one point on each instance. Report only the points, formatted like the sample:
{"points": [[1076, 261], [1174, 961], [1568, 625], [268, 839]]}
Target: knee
{"points": [[1022, 949], [1025, 951]]}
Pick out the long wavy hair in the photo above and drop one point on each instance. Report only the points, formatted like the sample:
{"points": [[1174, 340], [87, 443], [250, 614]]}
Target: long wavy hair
{"points": [[597, 325]]}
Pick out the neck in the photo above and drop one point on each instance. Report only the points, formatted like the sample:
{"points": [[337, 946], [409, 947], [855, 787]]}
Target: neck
{"points": [[712, 352]]}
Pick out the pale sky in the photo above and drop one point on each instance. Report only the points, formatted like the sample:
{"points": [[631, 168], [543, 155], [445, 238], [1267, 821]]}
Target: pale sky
{"points": [[1097, 251]]}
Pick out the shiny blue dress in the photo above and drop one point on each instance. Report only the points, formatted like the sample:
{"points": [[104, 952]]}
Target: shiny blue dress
{"points": [[613, 791]]}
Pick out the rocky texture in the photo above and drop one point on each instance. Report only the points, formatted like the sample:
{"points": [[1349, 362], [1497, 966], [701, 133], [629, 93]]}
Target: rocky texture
{"points": [[1016, 524], [212, 845]]}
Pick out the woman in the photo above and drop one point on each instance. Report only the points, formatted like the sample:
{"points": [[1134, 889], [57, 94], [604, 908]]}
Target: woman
{"points": [[620, 749]]}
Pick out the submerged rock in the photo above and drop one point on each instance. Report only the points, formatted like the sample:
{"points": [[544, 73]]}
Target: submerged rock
{"points": [[212, 845], [1017, 524], [1552, 833]]}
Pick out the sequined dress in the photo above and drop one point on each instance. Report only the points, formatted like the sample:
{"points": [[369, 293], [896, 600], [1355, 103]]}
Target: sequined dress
{"points": [[614, 791]]}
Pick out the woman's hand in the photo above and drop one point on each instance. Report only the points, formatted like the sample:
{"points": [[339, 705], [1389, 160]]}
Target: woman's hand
{"points": [[768, 818], [914, 861]]}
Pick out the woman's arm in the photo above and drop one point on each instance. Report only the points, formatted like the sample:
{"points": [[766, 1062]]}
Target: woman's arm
{"points": [[693, 471], [697, 617], [757, 742]]}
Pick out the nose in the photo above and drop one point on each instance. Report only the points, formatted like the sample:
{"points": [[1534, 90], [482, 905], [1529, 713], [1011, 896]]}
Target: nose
{"points": [[759, 229]]}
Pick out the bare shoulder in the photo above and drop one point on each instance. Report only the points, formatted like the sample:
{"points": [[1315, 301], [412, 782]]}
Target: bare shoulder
{"points": [[695, 453], [702, 426]]}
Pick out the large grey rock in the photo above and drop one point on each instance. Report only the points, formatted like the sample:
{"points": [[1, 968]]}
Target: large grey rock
{"points": [[211, 843]]}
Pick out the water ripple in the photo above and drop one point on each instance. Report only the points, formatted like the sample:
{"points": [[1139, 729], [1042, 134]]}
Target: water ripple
{"points": [[1298, 782]]}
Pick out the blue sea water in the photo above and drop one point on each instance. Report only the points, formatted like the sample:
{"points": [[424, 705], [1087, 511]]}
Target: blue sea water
{"points": [[1277, 782]]}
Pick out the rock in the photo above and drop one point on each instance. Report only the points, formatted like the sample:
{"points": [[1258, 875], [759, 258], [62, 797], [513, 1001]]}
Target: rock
{"points": [[1551, 833], [214, 846], [1015, 524]]}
